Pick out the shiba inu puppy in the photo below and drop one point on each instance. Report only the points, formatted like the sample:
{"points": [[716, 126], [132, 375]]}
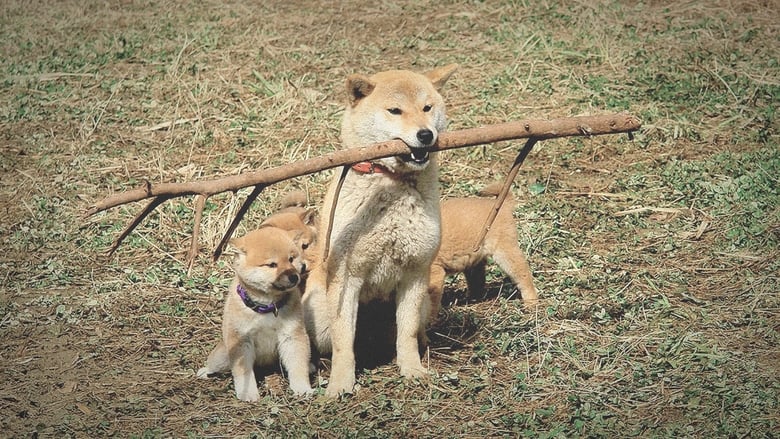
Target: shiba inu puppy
{"points": [[462, 220], [301, 222], [385, 231], [262, 321]]}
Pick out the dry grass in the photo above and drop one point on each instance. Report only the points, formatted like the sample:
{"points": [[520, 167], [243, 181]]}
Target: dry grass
{"points": [[656, 259]]}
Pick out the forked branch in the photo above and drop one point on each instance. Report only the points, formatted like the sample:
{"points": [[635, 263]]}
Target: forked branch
{"points": [[529, 129]]}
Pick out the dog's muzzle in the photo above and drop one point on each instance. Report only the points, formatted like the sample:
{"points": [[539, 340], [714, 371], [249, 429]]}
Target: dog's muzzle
{"points": [[418, 156], [421, 155], [287, 280]]}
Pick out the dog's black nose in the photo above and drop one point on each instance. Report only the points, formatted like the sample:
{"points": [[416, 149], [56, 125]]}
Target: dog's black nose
{"points": [[425, 137], [293, 278]]}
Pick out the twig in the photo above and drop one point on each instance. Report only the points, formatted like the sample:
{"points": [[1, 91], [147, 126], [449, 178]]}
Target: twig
{"points": [[167, 125], [650, 209], [239, 215], [332, 215], [505, 190], [537, 129]]}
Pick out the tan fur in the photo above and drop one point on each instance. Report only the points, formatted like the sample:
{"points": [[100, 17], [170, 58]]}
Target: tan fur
{"points": [[301, 222], [386, 226], [462, 220], [268, 266]]}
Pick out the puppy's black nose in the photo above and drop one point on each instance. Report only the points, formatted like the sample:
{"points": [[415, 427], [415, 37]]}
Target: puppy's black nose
{"points": [[425, 137], [293, 278]]}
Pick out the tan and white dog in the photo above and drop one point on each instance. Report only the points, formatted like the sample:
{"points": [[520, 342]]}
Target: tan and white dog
{"points": [[462, 220], [386, 229], [262, 321], [301, 223]]}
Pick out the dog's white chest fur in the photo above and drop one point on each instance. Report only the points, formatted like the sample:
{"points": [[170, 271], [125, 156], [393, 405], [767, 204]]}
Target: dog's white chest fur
{"points": [[391, 227]]}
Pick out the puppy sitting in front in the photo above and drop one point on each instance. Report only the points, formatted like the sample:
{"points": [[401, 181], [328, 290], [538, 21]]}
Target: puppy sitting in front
{"points": [[263, 319]]}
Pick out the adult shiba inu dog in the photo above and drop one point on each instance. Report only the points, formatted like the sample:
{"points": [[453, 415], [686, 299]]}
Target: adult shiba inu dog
{"points": [[462, 220], [262, 321], [385, 229]]}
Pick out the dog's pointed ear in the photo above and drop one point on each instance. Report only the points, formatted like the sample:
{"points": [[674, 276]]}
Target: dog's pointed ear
{"points": [[309, 217], [238, 244], [440, 75], [358, 87]]}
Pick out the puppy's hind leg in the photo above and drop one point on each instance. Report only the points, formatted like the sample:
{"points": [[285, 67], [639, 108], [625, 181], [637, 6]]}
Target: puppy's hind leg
{"points": [[513, 262], [217, 362], [436, 290], [475, 279]]}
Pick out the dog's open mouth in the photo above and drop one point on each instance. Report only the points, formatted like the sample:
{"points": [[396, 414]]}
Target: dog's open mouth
{"points": [[417, 156]]}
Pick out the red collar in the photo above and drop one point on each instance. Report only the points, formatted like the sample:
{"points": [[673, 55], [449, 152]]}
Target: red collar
{"points": [[372, 168]]}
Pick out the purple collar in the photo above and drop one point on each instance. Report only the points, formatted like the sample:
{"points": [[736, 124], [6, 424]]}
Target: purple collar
{"points": [[259, 307]]}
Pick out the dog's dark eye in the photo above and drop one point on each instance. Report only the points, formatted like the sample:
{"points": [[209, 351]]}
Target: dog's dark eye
{"points": [[304, 246], [271, 264], [427, 108], [395, 111], [292, 258]]}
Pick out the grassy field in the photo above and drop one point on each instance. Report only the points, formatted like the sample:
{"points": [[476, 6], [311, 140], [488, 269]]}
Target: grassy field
{"points": [[656, 259]]}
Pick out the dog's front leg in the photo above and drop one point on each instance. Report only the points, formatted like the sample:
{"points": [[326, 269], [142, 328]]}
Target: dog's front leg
{"points": [[294, 352], [408, 315], [343, 299], [242, 363]]}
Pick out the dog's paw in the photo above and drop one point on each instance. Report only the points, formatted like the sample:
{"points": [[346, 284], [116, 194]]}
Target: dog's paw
{"points": [[340, 385], [248, 395], [203, 373], [414, 372], [301, 389]]}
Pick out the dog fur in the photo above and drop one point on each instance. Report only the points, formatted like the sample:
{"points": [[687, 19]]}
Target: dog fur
{"points": [[386, 229], [301, 222], [462, 219], [268, 267]]}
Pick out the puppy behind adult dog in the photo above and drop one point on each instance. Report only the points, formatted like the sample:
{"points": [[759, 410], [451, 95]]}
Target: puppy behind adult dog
{"points": [[263, 320], [301, 222], [385, 230], [462, 220]]}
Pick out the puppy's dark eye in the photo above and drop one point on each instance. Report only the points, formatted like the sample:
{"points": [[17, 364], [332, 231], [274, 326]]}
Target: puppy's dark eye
{"points": [[292, 258], [304, 246], [395, 111], [271, 264], [427, 108]]}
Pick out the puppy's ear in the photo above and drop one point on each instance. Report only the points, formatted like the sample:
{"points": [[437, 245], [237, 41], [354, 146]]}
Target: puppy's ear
{"points": [[439, 76], [309, 217], [358, 87], [239, 245]]}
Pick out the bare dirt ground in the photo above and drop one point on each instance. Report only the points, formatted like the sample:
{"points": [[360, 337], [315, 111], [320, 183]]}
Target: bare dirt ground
{"points": [[656, 258]]}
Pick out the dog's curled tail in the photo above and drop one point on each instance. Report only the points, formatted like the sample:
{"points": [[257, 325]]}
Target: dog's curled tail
{"points": [[491, 190], [294, 198]]}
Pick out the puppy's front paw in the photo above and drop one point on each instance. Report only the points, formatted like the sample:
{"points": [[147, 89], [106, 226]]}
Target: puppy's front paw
{"points": [[203, 373]]}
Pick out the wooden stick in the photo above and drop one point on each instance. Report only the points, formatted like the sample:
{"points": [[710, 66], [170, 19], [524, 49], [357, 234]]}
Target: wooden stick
{"points": [[332, 215], [200, 204], [536, 129], [539, 129], [239, 215]]}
